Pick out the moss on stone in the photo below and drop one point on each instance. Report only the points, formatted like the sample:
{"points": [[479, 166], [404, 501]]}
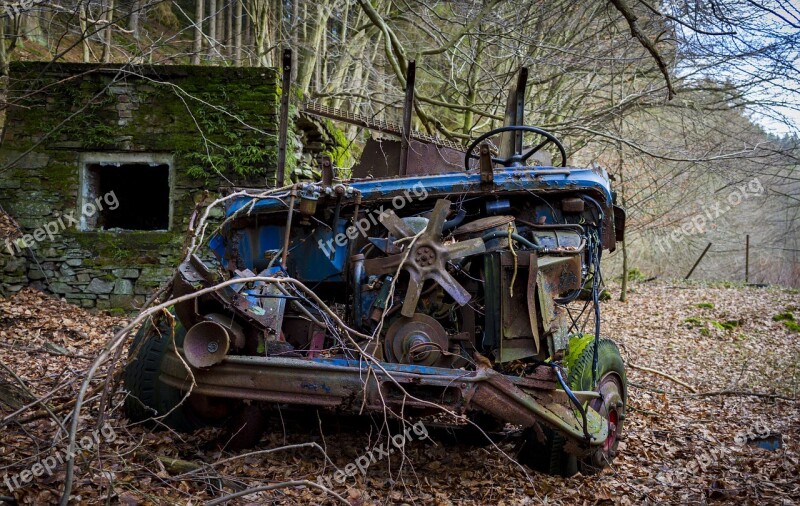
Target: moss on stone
{"points": [[339, 151], [130, 247], [208, 118]]}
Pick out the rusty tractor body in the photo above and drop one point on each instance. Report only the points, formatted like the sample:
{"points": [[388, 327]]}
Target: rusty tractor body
{"points": [[433, 289]]}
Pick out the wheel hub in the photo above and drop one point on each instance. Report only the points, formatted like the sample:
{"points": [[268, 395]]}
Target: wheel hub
{"points": [[417, 340], [425, 256], [612, 407]]}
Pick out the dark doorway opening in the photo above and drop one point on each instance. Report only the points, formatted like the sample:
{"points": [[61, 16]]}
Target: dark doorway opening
{"points": [[129, 196]]}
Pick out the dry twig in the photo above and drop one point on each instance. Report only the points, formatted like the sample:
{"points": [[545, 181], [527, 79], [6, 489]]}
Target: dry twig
{"points": [[663, 374]]}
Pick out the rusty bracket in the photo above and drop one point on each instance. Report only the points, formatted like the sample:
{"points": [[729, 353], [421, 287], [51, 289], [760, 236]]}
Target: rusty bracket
{"points": [[326, 168], [487, 171]]}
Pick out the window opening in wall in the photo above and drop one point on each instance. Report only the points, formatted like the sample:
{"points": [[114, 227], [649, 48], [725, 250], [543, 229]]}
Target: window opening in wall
{"points": [[142, 190]]}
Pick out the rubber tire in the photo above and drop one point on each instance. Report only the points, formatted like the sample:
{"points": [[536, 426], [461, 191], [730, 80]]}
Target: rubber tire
{"points": [[549, 456], [147, 396]]}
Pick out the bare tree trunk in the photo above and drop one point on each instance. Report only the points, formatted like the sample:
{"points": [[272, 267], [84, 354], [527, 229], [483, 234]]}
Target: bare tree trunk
{"points": [[310, 49], [237, 42], [345, 22], [229, 28], [198, 32], [345, 75], [322, 72], [295, 29], [3, 53], [133, 19], [260, 11], [623, 296], [248, 32], [84, 35], [280, 28], [31, 28], [106, 57], [212, 28], [318, 66], [304, 25], [220, 17]]}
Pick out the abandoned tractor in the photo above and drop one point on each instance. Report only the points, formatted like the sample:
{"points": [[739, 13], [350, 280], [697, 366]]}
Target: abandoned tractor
{"points": [[436, 288]]}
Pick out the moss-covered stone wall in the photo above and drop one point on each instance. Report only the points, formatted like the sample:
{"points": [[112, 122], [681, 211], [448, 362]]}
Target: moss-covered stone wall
{"points": [[217, 125]]}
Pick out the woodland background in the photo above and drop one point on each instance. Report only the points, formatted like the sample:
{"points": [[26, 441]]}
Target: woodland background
{"points": [[687, 103], [680, 100]]}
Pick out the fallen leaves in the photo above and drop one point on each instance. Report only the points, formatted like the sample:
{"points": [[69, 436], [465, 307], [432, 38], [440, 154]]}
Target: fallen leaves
{"points": [[678, 447], [9, 229]]}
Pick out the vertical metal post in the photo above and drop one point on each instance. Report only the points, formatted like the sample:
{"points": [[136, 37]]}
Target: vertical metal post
{"points": [[408, 109], [747, 258], [283, 128], [288, 232], [698, 261], [511, 142], [519, 113]]}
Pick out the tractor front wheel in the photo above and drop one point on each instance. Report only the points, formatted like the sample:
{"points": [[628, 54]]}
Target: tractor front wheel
{"points": [[148, 398], [548, 456]]}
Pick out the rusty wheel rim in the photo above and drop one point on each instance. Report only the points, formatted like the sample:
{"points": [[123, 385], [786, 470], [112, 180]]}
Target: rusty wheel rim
{"points": [[611, 406]]}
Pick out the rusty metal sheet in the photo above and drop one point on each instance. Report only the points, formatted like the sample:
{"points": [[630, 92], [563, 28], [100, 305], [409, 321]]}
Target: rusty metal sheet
{"points": [[381, 158], [556, 276], [561, 274], [530, 295], [517, 340], [540, 378], [351, 388], [478, 227], [546, 304], [274, 307]]}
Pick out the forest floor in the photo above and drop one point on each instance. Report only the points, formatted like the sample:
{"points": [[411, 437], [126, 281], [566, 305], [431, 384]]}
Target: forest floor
{"points": [[680, 446]]}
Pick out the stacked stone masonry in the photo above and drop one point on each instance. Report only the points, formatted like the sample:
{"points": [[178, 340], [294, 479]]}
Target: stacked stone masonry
{"points": [[59, 114]]}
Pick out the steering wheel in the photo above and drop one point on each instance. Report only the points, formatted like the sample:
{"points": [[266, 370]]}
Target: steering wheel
{"points": [[517, 158]]}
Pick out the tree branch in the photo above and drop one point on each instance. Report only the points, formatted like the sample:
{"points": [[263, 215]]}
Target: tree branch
{"points": [[299, 483], [465, 30], [631, 18], [663, 374]]}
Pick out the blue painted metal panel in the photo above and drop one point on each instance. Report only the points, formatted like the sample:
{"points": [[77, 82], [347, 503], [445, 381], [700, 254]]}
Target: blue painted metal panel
{"points": [[417, 369], [217, 246], [318, 257], [511, 179], [314, 258], [254, 242]]}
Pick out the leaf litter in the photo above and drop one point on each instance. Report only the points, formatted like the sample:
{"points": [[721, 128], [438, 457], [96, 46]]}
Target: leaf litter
{"points": [[679, 447]]}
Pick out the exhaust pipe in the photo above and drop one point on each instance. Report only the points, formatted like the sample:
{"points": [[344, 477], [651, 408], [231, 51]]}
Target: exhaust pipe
{"points": [[207, 342]]}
